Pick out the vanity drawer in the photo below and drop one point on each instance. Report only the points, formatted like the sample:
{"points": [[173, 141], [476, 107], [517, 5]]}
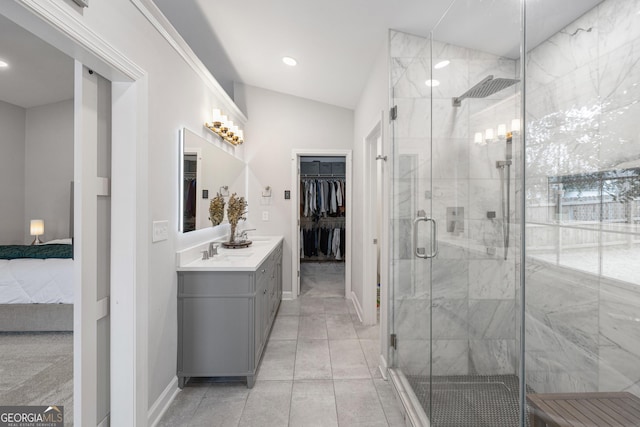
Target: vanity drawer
{"points": [[195, 283]]}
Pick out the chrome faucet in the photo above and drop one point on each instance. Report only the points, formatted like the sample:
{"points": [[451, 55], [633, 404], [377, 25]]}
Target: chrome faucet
{"points": [[213, 249], [243, 234]]}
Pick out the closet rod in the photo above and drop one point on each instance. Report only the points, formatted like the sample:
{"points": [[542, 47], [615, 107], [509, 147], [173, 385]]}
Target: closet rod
{"points": [[322, 176]]}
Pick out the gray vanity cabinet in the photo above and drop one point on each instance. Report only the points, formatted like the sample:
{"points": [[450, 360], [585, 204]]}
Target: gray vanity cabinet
{"points": [[224, 319]]}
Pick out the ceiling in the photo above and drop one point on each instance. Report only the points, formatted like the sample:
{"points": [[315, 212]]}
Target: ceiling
{"points": [[38, 74], [336, 42]]}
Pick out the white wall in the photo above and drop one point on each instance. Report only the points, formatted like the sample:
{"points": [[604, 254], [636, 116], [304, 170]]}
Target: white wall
{"points": [[279, 123], [12, 120], [373, 101], [48, 168]]}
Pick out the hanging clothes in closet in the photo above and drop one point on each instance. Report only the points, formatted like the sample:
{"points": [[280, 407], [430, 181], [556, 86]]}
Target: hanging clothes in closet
{"points": [[322, 212], [326, 241], [322, 197]]}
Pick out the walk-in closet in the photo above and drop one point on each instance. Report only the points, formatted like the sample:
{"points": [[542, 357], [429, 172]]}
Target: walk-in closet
{"points": [[323, 208]]}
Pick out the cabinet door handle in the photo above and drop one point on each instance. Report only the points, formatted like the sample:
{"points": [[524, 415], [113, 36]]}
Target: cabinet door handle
{"points": [[263, 270]]}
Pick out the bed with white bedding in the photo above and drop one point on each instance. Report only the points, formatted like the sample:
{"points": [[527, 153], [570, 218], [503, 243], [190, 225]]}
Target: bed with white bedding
{"points": [[36, 288]]}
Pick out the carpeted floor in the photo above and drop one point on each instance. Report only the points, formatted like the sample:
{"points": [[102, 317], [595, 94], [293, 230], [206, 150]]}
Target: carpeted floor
{"points": [[36, 368]]}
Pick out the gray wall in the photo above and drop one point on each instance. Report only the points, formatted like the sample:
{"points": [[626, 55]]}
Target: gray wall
{"points": [[12, 185], [48, 154]]}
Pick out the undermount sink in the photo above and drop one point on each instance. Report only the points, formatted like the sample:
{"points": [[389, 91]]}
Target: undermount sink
{"points": [[231, 255]]}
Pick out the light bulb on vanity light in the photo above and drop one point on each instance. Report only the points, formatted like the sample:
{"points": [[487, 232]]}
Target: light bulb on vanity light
{"points": [[502, 130], [515, 125], [488, 134], [477, 138], [234, 135]]}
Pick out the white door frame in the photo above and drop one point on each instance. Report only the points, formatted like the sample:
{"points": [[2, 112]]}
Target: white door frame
{"points": [[372, 177], [380, 132], [295, 214], [56, 22]]}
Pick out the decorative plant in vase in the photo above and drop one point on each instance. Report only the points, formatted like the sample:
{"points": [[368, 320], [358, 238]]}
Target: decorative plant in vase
{"points": [[216, 209], [236, 209]]}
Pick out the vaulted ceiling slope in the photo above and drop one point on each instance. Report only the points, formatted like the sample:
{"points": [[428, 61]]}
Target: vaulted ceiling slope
{"points": [[336, 41]]}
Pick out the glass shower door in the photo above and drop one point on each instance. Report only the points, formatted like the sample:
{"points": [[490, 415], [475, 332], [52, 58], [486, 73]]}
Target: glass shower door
{"points": [[410, 305], [455, 291]]}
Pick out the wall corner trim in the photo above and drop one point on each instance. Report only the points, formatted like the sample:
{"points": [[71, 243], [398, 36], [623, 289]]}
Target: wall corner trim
{"points": [[163, 402], [160, 22], [287, 295], [356, 305]]}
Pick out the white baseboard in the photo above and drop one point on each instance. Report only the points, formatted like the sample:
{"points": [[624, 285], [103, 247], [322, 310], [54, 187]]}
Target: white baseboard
{"points": [[357, 306], [382, 366], [288, 295], [162, 403], [104, 422]]}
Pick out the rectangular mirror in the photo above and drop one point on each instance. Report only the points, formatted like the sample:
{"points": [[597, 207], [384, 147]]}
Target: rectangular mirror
{"points": [[205, 170]]}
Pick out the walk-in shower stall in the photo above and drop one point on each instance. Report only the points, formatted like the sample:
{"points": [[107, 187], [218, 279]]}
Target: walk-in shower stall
{"points": [[516, 210]]}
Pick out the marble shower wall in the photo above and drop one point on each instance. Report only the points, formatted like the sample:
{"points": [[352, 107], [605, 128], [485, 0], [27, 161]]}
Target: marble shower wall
{"points": [[583, 93], [469, 310]]}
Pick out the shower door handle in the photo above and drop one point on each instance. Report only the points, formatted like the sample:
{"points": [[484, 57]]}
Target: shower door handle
{"points": [[434, 237], [419, 252]]}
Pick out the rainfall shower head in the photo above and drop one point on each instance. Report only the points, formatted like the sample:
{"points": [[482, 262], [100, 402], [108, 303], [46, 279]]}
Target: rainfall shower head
{"points": [[488, 86]]}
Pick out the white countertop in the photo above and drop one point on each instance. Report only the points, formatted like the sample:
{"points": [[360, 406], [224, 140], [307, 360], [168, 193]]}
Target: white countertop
{"points": [[245, 259]]}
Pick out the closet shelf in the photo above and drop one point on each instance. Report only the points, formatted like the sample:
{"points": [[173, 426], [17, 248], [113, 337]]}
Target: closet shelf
{"points": [[322, 176]]}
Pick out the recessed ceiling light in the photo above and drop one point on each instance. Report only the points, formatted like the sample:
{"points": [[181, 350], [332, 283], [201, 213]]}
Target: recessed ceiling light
{"points": [[432, 83], [442, 64], [3, 64], [289, 61]]}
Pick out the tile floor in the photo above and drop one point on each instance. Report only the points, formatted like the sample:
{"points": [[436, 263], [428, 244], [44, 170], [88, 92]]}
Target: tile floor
{"points": [[319, 369]]}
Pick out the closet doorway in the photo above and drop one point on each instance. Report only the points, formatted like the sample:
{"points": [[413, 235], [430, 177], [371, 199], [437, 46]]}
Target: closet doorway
{"points": [[321, 255]]}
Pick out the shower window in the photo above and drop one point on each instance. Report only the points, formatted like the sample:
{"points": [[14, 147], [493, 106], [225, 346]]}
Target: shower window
{"points": [[607, 197], [592, 223]]}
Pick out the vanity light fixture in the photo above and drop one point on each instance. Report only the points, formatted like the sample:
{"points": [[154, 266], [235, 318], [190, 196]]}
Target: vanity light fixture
{"points": [[489, 134], [4, 64], [224, 128], [442, 64], [291, 62], [224, 191], [266, 192]]}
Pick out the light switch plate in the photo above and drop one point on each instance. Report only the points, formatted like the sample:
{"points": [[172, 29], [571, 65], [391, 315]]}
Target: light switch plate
{"points": [[265, 215], [160, 231]]}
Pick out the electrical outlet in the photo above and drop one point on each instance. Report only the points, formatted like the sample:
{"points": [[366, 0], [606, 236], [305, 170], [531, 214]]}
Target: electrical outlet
{"points": [[265, 215], [160, 231]]}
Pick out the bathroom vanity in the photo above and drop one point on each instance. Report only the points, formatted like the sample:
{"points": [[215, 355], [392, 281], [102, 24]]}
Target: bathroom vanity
{"points": [[226, 308]]}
